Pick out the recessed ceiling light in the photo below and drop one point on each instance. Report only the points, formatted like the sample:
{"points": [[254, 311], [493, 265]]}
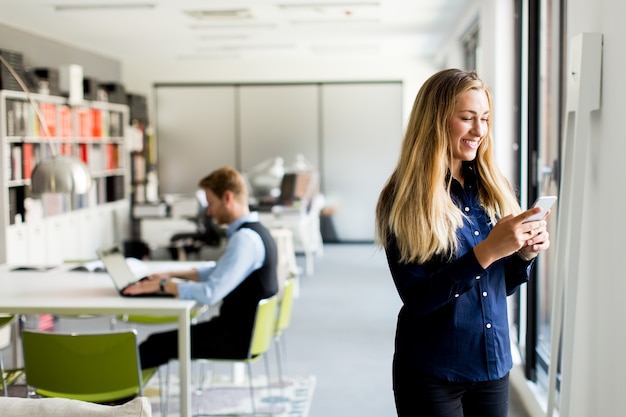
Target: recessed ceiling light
{"points": [[212, 56], [245, 47], [108, 6], [223, 37], [346, 49], [328, 5], [331, 21], [234, 26], [220, 14]]}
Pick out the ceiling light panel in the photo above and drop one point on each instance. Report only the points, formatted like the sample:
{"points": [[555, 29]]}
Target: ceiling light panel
{"points": [[102, 6], [327, 11], [225, 14]]}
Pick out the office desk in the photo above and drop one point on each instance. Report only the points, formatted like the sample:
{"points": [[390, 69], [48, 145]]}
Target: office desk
{"points": [[74, 293]]}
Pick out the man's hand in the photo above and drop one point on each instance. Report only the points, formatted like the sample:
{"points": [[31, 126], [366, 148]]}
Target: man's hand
{"points": [[145, 286]]}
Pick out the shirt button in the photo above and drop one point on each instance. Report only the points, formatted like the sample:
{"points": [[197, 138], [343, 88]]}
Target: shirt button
{"points": [[467, 209], [476, 233], [477, 276], [484, 293], [456, 295], [488, 325]]}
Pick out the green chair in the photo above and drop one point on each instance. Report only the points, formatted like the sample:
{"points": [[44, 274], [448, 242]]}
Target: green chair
{"points": [[145, 319], [8, 376], [130, 319], [95, 367], [283, 319], [262, 333]]}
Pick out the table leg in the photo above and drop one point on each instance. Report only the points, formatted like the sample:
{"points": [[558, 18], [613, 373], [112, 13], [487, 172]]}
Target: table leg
{"points": [[184, 361]]}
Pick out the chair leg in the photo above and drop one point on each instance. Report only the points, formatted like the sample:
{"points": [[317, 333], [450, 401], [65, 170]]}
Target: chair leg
{"points": [[164, 388], [202, 368], [269, 382], [279, 365], [251, 388], [4, 383], [279, 361]]}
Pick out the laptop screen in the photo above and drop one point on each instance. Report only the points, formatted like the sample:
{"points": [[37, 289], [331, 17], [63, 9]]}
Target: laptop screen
{"points": [[115, 263]]}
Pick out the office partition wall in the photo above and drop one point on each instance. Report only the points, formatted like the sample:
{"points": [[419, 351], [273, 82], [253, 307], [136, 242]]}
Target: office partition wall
{"points": [[195, 128], [350, 131], [361, 136], [278, 120]]}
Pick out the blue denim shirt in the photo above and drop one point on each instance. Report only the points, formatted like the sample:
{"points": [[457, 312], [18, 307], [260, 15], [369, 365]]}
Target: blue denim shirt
{"points": [[453, 324]]}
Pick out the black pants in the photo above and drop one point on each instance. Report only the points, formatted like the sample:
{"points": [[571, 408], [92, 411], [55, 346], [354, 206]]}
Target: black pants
{"points": [[209, 340], [419, 395]]}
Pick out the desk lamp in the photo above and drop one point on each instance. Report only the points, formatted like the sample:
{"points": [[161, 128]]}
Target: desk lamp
{"points": [[265, 178], [58, 173]]}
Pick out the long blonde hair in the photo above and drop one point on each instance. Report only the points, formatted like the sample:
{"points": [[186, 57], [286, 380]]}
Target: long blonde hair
{"points": [[415, 206]]}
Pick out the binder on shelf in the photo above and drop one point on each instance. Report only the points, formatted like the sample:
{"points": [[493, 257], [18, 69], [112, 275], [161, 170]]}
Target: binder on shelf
{"points": [[16, 167], [84, 123], [65, 122], [49, 113], [114, 188], [83, 153], [28, 159], [11, 120], [110, 156], [96, 123], [66, 149]]}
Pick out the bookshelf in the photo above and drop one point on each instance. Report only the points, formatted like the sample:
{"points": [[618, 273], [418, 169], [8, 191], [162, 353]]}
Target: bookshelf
{"points": [[95, 132], [142, 152]]}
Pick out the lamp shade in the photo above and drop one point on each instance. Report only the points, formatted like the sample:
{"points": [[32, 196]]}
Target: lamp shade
{"points": [[265, 178], [60, 174]]}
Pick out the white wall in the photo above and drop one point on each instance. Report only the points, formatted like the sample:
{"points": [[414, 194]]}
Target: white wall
{"points": [[597, 386], [599, 365], [496, 58]]}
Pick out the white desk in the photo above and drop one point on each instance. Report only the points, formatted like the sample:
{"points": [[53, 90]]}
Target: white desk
{"points": [[305, 228], [74, 293]]}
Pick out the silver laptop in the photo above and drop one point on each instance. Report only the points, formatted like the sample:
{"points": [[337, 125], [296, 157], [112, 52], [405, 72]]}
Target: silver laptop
{"points": [[122, 276]]}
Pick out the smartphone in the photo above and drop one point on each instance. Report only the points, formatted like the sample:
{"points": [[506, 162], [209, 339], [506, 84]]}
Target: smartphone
{"points": [[545, 203]]}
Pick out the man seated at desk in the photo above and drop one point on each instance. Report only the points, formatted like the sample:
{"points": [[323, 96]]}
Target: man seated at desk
{"points": [[244, 274]]}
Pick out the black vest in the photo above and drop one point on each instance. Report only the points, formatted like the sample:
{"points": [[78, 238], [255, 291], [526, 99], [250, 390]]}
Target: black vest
{"points": [[239, 307]]}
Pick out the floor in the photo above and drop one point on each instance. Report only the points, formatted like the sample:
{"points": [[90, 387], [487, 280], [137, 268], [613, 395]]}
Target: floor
{"points": [[342, 332]]}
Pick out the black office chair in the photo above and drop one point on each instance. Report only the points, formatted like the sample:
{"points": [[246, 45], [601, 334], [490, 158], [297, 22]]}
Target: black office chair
{"points": [[184, 244]]}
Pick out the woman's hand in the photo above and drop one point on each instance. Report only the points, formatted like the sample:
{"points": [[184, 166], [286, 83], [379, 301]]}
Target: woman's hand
{"points": [[539, 242], [512, 234]]}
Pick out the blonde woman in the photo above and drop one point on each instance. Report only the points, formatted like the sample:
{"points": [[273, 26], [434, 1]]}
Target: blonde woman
{"points": [[457, 245]]}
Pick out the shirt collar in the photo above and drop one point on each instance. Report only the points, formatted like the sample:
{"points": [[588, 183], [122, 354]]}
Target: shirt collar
{"points": [[250, 217]]}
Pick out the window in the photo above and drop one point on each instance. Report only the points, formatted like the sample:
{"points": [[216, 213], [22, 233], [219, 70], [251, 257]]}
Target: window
{"points": [[541, 43], [471, 48]]}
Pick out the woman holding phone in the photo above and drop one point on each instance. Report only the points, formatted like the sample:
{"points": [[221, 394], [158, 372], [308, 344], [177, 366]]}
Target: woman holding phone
{"points": [[457, 245]]}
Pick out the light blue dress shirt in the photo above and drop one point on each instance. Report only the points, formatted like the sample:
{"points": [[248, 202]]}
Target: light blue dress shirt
{"points": [[244, 253]]}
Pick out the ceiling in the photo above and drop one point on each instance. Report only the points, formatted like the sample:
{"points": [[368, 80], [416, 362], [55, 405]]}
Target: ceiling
{"points": [[223, 29]]}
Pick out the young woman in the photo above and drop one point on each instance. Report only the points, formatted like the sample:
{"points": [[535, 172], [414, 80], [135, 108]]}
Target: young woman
{"points": [[457, 246]]}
